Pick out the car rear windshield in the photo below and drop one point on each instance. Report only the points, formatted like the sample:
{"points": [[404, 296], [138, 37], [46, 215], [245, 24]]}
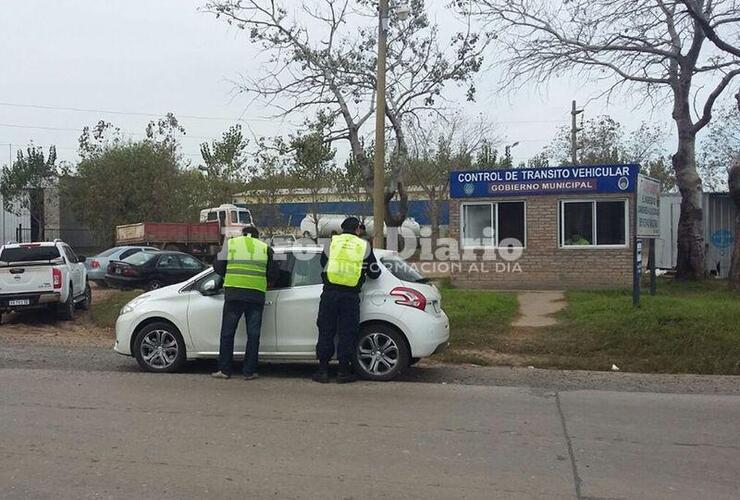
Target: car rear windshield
{"points": [[29, 254], [109, 252], [140, 258], [402, 270]]}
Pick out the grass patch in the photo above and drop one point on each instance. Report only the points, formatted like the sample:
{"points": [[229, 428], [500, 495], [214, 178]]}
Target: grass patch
{"points": [[103, 313], [478, 320], [685, 328]]}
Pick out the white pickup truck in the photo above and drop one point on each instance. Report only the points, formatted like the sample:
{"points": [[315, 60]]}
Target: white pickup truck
{"points": [[43, 275]]}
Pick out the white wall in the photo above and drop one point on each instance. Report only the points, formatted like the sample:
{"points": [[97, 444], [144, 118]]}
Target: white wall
{"points": [[9, 222]]}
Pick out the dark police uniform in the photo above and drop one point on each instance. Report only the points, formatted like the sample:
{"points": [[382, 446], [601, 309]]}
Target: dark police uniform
{"points": [[346, 263]]}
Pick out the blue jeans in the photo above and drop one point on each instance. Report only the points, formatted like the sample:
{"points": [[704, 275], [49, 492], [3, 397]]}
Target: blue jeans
{"points": [[233, 311]]}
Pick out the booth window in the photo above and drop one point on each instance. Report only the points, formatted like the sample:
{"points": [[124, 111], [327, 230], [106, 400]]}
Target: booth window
{"points": [[493, 224], [593, 223]]}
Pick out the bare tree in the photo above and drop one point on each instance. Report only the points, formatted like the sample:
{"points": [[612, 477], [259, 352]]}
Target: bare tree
{"points": [[321, 56], [653, 47], [715, 28], [714, 17], [440, 147]]}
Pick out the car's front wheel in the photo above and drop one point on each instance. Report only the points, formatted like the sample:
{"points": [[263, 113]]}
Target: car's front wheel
{"points": [[159, 347], [380, 353]]}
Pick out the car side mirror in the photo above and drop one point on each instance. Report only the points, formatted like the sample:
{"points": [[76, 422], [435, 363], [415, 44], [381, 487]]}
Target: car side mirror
{"points": [[81, 258], [211, 287]]}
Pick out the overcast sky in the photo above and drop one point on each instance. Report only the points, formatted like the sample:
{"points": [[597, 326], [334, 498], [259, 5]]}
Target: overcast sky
{"points": [[150, 57]]}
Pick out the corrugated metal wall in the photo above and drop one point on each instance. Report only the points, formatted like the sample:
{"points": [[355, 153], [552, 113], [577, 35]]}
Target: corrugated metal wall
{"points": [[719, 231], [9, 222]]}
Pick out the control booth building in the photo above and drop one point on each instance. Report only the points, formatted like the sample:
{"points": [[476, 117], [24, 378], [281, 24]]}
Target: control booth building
{"points": [[544, 228]]}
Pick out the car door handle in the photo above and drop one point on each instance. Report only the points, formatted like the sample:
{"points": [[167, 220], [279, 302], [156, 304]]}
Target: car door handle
{"points": [[268, 302]]}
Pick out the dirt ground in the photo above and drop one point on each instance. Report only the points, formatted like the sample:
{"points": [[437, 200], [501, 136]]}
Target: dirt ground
{"points": [[43, 328]]}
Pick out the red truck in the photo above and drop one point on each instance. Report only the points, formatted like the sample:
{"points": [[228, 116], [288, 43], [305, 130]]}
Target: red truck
{"points": [[202, 239]]}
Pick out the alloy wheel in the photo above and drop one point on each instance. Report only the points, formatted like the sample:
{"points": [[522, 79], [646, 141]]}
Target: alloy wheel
{"points": [[159, 349], [378, 353]]}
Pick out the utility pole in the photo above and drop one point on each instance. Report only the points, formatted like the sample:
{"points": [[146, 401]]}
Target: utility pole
{"points": [[379, 167], [574, 133]]}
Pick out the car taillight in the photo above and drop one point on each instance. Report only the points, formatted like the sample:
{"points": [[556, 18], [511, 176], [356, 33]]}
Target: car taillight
{"points": [[56, 275], [129, 271], [95, 264], [409, 297]]}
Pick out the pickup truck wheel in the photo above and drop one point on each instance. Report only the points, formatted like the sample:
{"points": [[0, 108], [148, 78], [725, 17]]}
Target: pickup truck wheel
{"points": [[159, 347], [87, 301], [66, 310]]}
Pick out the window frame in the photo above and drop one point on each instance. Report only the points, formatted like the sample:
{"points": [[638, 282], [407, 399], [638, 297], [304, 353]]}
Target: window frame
{"points": [[594, 228], [494, 214]]}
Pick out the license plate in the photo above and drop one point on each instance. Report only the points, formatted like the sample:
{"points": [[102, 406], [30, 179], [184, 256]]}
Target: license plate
{"points": [[19, 302]]}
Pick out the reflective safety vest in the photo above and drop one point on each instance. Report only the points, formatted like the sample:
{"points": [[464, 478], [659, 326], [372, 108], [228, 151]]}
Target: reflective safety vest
{"points": [[346, 254], [246, 266]]}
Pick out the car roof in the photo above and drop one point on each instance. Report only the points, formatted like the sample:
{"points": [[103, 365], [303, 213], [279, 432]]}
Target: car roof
{"points": [[34, 244], [380, 252]]}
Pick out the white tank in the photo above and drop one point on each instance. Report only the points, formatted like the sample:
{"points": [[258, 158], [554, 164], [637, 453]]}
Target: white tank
{"points": [[330, 224]]}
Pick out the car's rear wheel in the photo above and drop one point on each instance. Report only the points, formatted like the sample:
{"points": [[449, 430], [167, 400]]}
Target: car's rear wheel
{"points": [[87, 301], [155, 285], [66, 310], [159, 347], [380, 353]]}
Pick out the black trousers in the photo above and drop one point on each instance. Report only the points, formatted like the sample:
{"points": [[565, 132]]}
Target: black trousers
{"points": [[339, 316]]}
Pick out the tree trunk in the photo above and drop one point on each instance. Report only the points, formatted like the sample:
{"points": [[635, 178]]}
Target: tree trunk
{"points": [[690, 259], [734, 183], [434, 219]]}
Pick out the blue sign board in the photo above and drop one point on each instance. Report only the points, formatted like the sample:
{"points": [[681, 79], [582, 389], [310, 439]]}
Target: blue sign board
{"points": [[544, 181], [722, 238]]}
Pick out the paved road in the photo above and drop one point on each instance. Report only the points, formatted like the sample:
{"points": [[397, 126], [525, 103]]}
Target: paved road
{"points": [[123, 434]]}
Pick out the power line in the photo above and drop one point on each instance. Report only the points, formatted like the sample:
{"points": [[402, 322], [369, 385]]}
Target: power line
{"points": [[194, 117], [131, 113], [66, 129]]}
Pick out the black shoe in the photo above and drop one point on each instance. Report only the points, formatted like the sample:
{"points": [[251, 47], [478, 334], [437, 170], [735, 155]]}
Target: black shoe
{"points": [[321, 376], [346, 378]]}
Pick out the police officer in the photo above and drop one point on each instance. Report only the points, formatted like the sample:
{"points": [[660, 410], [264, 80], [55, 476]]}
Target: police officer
{"points": [[244, 269], [346, 262]]}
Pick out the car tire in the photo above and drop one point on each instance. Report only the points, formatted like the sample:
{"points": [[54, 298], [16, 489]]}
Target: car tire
{"points": [[87, 301], [414, 361], [154, 285], [66, 310], [380, 353], [159, 348]]}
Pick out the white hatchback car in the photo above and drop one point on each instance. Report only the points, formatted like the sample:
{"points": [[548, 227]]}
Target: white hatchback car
{"points": [[401, 318]]}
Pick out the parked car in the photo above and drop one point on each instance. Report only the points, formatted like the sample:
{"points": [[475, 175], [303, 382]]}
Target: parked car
{"points": [[152, 270], [98, 265], [43, 275], [401, 318]]}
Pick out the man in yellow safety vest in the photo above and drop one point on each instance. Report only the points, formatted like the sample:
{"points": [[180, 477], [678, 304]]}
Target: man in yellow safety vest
{"points": [[244, 268], [346, 262]]}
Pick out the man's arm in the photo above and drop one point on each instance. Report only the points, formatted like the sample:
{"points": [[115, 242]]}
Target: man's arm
{"points": [[220, 267], [371, 265]]}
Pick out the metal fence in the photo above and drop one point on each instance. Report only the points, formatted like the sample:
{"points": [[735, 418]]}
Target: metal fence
{"points": [[78, 238]]}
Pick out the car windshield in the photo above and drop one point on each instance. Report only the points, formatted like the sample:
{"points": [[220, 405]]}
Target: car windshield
{"points": [[402, 270], [29, 254], [140, 258], [109, 252]]}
